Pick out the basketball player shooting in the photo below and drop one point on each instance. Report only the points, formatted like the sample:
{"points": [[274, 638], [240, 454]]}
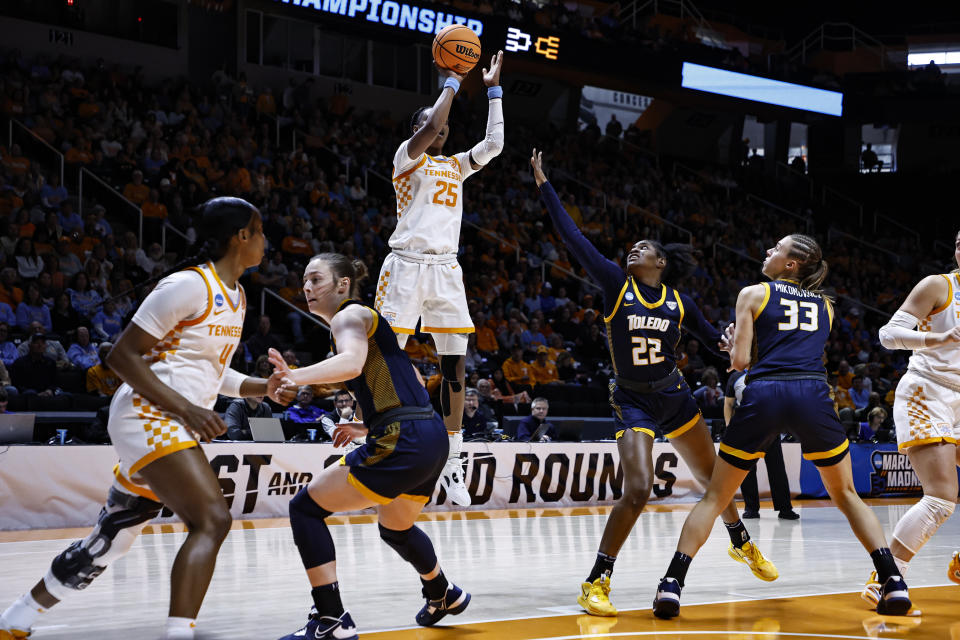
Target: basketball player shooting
{"points": [[421, 279]]}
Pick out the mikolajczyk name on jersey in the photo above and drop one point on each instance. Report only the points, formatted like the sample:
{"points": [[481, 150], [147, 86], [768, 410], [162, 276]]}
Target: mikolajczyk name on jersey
{"points": [[648, 323], [783, 287]]}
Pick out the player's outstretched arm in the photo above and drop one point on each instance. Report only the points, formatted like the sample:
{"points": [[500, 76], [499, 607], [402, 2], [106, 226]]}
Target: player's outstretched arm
{"points": [[349, 329], [604, 272], [492, 144], [424, 136]]}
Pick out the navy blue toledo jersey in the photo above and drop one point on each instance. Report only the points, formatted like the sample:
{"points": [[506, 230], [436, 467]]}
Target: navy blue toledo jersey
{"points": [[791, 327], [643, 333], [387, 380]]}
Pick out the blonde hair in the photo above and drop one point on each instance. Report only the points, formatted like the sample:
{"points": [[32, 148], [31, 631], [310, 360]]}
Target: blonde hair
{"points": [[812, 269]]}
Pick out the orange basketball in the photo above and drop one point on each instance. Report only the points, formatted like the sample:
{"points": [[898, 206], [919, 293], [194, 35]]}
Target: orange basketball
{"points": [[457, 48]]}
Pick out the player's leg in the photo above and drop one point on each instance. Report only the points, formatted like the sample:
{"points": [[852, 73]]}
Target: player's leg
{"points": [[723, 485], [445, 315], [121, 520], [695, 446], [185, 482], [838, 480], [399, 531], [635, 447], [398, 296], [953, 569], [331, 491]]}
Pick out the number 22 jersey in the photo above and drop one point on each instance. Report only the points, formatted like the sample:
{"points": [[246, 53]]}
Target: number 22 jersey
{"points": [[429, 201]]}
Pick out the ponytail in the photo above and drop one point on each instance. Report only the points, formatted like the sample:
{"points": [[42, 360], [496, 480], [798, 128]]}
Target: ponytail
{"points": [[343, 267], [812, 270], [681, 261]]}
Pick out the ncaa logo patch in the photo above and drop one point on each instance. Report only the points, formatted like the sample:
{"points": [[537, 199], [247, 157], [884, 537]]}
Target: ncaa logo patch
{"points": [[672, 306], [218, 300], [629, 296]]}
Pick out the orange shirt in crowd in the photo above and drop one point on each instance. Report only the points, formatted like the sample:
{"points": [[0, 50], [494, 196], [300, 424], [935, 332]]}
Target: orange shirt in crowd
{"points": [[518, 372], [486, 339], [154, 210], [544, 374], [136, 193]]}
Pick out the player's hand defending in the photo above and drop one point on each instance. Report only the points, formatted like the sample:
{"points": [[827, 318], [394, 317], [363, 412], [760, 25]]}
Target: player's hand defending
{"points": [[281, 389], [491, 76], [279, 364], [536, 161], [726, 338], [204, 423], [345, 433]]}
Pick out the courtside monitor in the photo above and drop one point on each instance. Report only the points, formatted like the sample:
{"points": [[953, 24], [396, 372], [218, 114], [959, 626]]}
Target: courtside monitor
{"points": [[747, 87]]}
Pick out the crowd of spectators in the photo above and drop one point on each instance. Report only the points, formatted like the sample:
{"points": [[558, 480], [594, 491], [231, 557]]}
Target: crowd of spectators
{"points": [[68, 282]]}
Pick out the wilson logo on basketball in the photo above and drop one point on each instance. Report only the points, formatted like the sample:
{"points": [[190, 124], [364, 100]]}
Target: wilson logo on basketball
{"points": [[467, 51]]}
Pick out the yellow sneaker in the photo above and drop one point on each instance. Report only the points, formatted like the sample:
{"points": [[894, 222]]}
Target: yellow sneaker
{"points": [[750, 555], [13, 634], [953, 571], [871, 591], [595, 597]]}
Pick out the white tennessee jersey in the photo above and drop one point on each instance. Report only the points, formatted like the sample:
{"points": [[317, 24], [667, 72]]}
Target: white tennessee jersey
{"points": [[941, 363], [429, 201], [198, 322]]}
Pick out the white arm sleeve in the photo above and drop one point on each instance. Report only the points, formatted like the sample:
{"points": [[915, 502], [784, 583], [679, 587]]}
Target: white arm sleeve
{"points": [[180, 296], [899, 332], [491, 146], [231, 383]]}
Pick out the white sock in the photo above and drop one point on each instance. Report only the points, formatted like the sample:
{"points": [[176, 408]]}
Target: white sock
{"points": [[23, 613], [456, 443], [180, 628], [902, 566]]}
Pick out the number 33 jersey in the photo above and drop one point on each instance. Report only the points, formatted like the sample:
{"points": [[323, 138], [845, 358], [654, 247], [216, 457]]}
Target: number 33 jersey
{"points": [[429, 201], [792, 326]]}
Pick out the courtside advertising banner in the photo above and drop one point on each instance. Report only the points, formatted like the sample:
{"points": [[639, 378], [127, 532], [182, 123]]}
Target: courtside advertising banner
{"points": [[65, 486]]}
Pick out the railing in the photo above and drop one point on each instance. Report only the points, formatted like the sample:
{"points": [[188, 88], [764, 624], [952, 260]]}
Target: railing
{"points": [[366, 179], [16, 125], [806, 221], [630, 145], [163, 235], [264, 292], [737, 252], [684, 8], [117, 194], [790, 172], [344, 160], [837, 32], [832, 232], [494, 236]]}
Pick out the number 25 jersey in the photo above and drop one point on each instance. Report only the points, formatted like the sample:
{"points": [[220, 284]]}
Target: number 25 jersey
{"points": [[429, 201], [791, 327]]}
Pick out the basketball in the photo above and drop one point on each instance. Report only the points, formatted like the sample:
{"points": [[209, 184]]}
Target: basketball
{"points": [[457, 48]]}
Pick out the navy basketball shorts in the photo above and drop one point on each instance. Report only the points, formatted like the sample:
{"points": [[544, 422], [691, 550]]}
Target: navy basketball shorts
{"points": [[404, 461], [800, 407], [671, 412]]}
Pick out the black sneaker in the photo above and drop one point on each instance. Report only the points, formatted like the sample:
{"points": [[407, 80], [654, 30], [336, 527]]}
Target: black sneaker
{"points": [[749, 515], [789, 514], [894, 598], [326, 628], [454, 601], [667, 603]]}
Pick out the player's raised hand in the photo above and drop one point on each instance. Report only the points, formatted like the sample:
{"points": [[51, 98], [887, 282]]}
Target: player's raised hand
{"points": [[536, 161], [491, 76], [449, 73]]}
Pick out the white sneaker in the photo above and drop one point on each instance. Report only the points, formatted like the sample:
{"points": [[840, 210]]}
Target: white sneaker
{"points": [[452, 481]]}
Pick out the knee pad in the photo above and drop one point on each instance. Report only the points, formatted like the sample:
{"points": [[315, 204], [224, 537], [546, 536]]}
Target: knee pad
{"points": [[921, 521], [450, 344], [412, 545], [310, 532], [119, 524], [448, 368]]}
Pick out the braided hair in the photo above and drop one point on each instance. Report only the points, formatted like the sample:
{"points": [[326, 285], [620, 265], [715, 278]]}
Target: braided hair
{"points": [[812, 269], [415, 119]]}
